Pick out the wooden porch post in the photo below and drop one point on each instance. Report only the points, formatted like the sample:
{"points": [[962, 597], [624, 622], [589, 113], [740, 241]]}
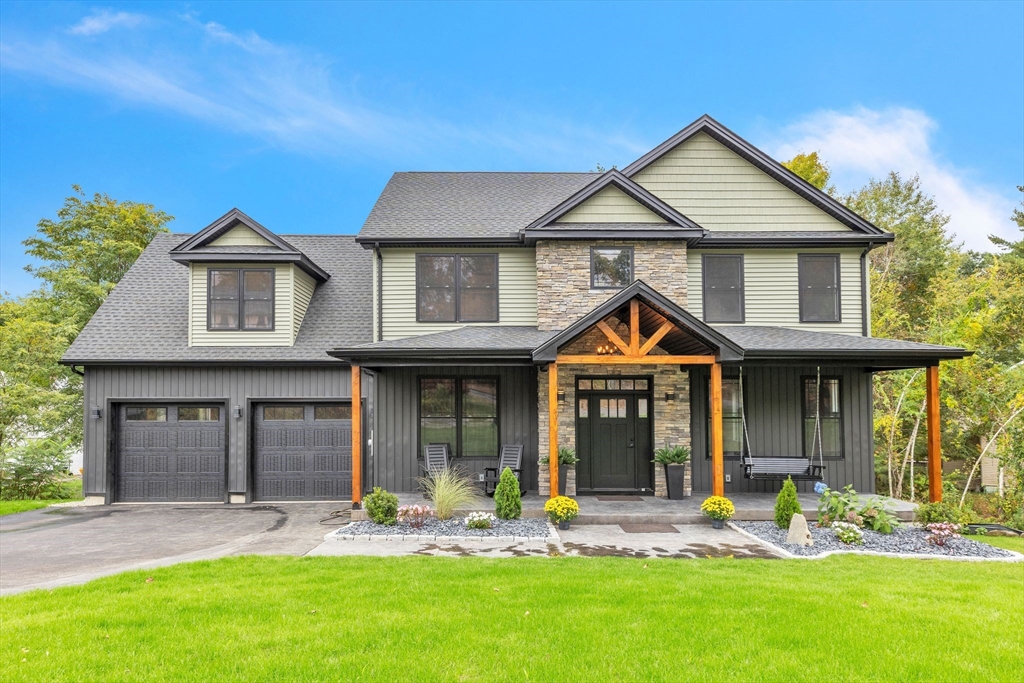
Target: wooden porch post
{"points": [[357, 439], [934, 436], [717, 462], [553, 428]]}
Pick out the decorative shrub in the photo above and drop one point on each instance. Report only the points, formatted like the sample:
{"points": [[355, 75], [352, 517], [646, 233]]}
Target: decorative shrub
{"points": [[415, 515], [36, 469], [480, 520], [941, 512], [508, 503], [786, 504], [562, 509], [835, 506], [566, 456], [940, 532], [449, 490], [381, 506], [849, 534], [877, 517], [672, 455], [718, 507]]}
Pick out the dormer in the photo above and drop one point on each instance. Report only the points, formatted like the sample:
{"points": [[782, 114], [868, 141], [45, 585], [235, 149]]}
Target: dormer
{"points": [[247, 285]]}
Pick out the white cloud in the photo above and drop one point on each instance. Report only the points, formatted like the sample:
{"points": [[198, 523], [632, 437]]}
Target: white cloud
{"points": [[101, 21], [865, 143]]}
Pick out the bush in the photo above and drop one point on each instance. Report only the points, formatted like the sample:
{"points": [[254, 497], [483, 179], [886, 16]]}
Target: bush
{"points": [[786, 504], [479, 520], [566, 456], [449, 490], [848, 533], [718, 507], [562, 509], [940, 532], [672, 455], [35, 470], [508, 504], [382, 507], [415, 515], [834, 506], [877, 517], [936, 513]]}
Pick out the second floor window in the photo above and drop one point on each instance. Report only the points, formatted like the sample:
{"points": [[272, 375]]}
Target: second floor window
{"points": [[611, 267], [723, 288], [457, 288], [819, 288], [240, 299]]}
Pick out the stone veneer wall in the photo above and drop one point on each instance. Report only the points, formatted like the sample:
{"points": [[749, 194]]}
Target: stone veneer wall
{"points": [[563, 276]]}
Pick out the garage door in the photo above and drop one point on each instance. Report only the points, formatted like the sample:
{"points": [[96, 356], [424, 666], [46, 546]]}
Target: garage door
{"points": [[303, 452], [170, 453]]}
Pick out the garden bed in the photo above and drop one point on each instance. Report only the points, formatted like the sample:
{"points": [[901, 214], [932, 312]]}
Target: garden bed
{"points": [[504, 530], [905, 540]]}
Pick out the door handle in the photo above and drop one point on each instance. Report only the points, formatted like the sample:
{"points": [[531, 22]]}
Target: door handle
{"points": [[632, 444]]}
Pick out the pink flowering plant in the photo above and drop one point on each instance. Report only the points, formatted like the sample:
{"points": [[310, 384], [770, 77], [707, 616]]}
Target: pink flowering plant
{"points": [[941, 532], [415, 515]]}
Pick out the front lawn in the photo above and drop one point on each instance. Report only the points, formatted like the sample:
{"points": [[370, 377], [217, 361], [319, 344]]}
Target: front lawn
{"points": [[73, 487], [1015, 543], [540, 619]]}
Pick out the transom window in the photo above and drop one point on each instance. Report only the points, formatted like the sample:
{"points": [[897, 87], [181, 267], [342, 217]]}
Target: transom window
{"points": [[819, 288], [611, 267], [461, 412], [828, 402], [198, 414], [612, 384], [723, 288], [240, 299], [457, 288]]}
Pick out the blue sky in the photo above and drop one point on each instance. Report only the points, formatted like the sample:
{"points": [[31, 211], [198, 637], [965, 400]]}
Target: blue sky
{"points": [[299, 113]]}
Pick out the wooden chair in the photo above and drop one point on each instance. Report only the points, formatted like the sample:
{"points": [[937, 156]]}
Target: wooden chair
{"points": [[511, 457], [436, 458]]}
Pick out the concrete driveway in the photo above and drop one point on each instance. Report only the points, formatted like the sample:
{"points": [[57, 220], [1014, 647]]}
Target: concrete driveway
{"points": [[65, 546]]}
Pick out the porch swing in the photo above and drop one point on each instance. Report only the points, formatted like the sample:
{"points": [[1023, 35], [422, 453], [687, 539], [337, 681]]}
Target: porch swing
{"points": [[778, 469]]}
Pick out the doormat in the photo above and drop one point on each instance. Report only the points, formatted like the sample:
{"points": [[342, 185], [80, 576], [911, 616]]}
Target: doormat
{"points": [[649, 528], [620, 499]]}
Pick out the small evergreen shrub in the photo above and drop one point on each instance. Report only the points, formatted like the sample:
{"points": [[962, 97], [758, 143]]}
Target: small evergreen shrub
{"points": [[786, 504], [382, 507], [508, 503]]}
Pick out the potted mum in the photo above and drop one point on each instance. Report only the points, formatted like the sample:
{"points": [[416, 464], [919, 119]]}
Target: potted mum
{"points": [[719, 509], [566, 459], [562, 510], [676, 460]]}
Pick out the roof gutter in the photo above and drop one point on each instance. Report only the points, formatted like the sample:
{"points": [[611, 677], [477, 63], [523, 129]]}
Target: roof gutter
{"points": [[376, 242]]}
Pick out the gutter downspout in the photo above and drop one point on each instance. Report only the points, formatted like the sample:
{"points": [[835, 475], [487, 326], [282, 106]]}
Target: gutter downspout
{"points": [[76, 371], [865, 309], [380, 291]]}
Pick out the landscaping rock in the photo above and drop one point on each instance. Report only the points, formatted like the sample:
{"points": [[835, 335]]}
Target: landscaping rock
{"points": [[1002, 532], [799, 534], [504, 530]]}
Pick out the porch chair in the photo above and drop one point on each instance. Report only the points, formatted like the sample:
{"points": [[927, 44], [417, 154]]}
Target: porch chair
{"points": [[511, 456], [435, 458]]}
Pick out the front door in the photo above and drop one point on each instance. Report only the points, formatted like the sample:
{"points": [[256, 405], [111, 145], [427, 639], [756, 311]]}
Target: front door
{"points": [[613, 434]]}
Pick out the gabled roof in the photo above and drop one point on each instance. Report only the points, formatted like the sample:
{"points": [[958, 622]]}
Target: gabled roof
{"points": [[707, 125], [676, 225], [725, 349], [198, 248]]}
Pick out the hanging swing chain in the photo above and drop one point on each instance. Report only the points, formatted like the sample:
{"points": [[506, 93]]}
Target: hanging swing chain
{"points": [[743, 419], [817, 420]]}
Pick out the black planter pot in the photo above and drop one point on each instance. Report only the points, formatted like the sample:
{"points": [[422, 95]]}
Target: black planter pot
{"points": [[563, 475], [718, 524], [675, 476], [563, 525]]}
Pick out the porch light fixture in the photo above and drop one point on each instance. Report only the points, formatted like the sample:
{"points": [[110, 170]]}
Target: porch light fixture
{"points": [[605, 349], [561, 396], [236, 411], [95, 413], [670, 396]]}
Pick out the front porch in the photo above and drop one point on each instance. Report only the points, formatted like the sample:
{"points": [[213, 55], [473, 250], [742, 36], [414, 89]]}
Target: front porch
{"points": [[750, 507]]}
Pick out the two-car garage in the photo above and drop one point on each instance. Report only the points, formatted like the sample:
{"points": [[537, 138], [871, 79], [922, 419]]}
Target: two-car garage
{"points": [[167, 452]]}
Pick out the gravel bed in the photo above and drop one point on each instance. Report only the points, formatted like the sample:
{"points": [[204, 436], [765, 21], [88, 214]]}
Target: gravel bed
{"points": [[906, 540], [456, 526]]}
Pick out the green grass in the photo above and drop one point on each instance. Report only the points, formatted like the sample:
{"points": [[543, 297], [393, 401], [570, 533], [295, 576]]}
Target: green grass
{"points": [[538, 619], [10, 507], [1009, 543]]}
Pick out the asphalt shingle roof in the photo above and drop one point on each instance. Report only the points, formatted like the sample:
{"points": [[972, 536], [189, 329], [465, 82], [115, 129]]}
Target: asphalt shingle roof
{"points": [[496, 337], [466, 205], [145, 318], [764, 338]]}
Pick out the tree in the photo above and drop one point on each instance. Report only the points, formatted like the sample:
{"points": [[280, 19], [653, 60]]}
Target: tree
{"points": [[812, 169]]}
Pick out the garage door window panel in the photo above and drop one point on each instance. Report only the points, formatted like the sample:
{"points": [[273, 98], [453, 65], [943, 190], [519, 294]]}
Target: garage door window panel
{"points": [[198, 414], [332, 413], [146, 414], [283, 413]]}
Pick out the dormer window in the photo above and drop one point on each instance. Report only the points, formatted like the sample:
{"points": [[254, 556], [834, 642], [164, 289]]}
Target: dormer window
{"points": [[240, 299]]}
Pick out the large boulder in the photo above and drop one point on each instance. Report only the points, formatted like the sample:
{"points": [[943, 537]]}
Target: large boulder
{"points": [[799, 534]]}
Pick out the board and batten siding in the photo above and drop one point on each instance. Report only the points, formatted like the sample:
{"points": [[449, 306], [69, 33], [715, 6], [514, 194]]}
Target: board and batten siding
{"points": [[241, 236], [773, 405], [517, 290], [771, 291], [611, 205], [225, 386], [718, 189], [397, 461]]}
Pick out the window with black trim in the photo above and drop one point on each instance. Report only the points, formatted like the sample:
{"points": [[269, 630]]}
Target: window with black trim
{"points": [[723, 288], [828, 402], [732, 417], [240, 299], [611, 267], [457, 288], [461, 412], [819, 288]]}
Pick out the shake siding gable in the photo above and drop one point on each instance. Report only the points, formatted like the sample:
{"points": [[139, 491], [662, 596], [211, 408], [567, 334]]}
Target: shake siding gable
{"points": [[611, 205], [719, 190], [241, 236], [517, 290], [771, 288]]}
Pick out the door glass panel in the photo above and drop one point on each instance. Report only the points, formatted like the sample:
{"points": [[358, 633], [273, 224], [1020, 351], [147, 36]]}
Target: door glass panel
{"points": [[584, 408], [641, 385], [584, 385], [627, 384], [622, 408], [599, 384], [613, 384], [604, 407], [641, 408]]}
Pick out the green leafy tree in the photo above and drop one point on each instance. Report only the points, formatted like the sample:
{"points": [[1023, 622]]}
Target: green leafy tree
{"points": [[811, 168]]}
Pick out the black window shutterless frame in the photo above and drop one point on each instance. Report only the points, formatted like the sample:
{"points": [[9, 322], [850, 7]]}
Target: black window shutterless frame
{"points": [[594, 250], [718, 290], [240, 298], [808, 286], [459, 412], [457, 288], [834, 417]]}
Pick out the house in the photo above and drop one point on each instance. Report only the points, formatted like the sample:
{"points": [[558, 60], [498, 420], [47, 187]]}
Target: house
{"points": [[703, 296]]}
